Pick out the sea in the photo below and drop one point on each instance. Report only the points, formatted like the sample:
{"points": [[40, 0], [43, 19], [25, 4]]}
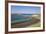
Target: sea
{"points": [[19, 16]]}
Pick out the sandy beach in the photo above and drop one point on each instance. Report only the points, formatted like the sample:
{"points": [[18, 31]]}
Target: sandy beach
{"points": [[28, 23]]}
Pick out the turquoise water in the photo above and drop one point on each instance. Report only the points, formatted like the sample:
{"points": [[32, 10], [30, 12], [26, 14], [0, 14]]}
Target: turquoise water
{"points": [[21, 17]]}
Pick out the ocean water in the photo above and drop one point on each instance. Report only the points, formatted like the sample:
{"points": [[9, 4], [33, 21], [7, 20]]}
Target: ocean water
{"points": [[19, 17]]}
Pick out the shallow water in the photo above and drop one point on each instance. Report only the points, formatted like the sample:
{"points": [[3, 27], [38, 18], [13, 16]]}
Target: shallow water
{"points": [[18, 17]]}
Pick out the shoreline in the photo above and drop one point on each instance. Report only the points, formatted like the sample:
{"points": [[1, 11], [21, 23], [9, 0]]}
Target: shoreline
{"points": [[25, 24]]}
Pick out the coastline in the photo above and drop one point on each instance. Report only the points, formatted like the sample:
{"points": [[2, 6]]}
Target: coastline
{"points": [[25, 24]]}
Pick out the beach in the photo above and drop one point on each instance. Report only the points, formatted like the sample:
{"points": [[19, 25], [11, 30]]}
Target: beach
{"points": [[27, 22]]}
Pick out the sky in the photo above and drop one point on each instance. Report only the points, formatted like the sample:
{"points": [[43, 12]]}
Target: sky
{"points": [[25, 9]]}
